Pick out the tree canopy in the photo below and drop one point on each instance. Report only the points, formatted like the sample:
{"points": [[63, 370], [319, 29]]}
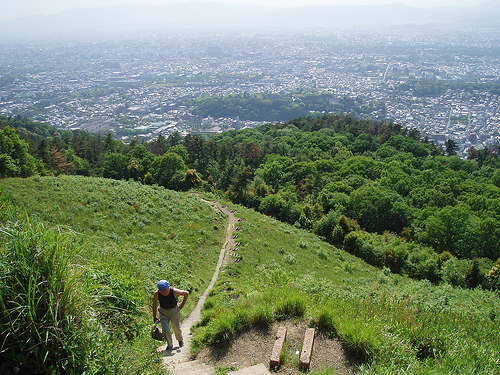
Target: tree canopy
{"points": [[330, 174]]}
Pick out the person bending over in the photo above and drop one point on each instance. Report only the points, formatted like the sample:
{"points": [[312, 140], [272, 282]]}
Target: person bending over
{"points": [[170, 311]]}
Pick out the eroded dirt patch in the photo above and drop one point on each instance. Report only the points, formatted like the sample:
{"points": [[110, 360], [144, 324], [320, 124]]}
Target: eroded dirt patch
{"points": [[254, 345]]}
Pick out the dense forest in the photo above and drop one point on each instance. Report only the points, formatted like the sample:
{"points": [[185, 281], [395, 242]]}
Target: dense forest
{"points": [[279, 106], [376, 189]]}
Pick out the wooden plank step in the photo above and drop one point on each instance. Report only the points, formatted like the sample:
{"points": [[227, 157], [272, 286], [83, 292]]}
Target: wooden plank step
{"points": [[278, 347], [305, 356]]}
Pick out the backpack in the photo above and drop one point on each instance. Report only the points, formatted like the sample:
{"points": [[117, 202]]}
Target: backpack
{"points": [[156, 333]]}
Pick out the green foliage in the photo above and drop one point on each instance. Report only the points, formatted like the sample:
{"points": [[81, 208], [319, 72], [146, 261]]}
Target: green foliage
{"points": [[131, 234], [169, 170], [15, 160], [290, 304], [272, 106], [387, 321], [307, 172], [116, 299]]}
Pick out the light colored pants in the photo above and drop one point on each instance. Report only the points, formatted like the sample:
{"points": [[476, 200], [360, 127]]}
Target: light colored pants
{"points": [[170, 315]]}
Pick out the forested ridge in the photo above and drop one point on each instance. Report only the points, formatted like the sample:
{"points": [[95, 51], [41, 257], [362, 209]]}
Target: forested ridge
{"points": [[377, 190]]}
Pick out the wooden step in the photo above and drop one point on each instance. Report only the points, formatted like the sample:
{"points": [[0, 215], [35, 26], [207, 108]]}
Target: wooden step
{"points": [[307, 347], [278, 347]]}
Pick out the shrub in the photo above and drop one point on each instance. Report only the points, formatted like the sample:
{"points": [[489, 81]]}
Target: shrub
{"points": [[493, 277], [357, 243], [290, 258], [454, 272], [325, 226]]}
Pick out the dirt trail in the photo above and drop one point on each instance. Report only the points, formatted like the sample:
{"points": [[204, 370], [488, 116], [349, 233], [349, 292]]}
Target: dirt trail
{"points": [[178, 354], [255, 343]]}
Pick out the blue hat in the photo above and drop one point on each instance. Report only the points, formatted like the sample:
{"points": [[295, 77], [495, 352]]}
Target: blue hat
{"points": [[162, 285]]}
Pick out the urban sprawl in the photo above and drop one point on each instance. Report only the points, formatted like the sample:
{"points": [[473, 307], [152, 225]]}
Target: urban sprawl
{"points": [[441, 81]]}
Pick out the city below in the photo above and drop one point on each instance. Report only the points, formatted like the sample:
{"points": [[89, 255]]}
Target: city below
{"points": [[441, 80]]}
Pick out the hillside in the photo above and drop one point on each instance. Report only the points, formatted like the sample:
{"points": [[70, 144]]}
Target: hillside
{"points": [[375, 189], [126, 235]]}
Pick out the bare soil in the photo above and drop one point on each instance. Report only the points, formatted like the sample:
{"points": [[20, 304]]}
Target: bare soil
{"points": [[254, 345]]}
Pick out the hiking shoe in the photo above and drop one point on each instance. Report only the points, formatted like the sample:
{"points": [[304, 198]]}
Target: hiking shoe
{"points": [[169, 347], [181, 343]]}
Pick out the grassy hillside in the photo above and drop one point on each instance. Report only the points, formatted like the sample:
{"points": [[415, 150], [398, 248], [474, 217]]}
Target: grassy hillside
{"points": [[125, 236], [391, 323], [145, 231]]}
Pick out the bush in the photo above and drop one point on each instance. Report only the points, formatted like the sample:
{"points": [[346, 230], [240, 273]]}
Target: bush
{"points": [[359, 244], [493, 277], [454, 271]]}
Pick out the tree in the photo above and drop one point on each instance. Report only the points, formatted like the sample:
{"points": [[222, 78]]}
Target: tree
{"points": [[191, 179], [271, 173], [496, 178], [174, 139], [109, 143], [159, 146], [240, 184], [447, 230], [377, 209], [451, 147], [15, 161], [473, 277], [251, 153], [60, 162], [181, 151], [115, 166], [43, 151], [168, 170], [194, 147]]}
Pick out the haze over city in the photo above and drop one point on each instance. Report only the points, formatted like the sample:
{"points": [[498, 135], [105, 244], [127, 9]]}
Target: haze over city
{"points": [[22, 8]]}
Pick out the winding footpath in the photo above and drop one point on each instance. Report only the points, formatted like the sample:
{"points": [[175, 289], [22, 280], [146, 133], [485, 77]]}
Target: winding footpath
{"points": [[173, 359]]}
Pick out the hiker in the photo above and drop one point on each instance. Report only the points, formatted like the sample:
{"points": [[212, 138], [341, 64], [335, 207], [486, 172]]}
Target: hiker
{"points": [[170, 310]]}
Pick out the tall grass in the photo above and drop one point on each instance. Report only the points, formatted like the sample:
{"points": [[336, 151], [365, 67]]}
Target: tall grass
{"points": [[41, 309]]}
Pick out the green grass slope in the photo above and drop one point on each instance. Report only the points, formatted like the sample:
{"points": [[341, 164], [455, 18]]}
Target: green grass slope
{"points": [[123, 236], [393, 324], [144, 231]]}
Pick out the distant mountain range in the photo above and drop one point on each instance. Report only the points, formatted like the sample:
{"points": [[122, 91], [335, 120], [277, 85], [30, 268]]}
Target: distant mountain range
{"points": [[196, 15]]}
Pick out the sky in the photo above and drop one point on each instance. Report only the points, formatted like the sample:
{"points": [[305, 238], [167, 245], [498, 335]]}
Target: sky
{"points": [[11, 9]]}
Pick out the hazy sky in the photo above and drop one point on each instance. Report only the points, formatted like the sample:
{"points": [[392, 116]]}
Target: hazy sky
{"points": [[10, 9]]}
